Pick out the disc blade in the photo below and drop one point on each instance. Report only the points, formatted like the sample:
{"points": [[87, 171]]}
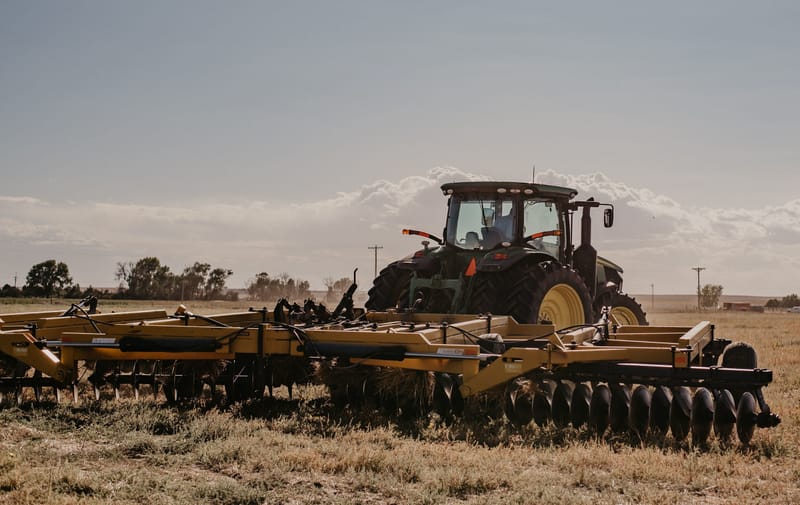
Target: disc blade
{"points": [[543, 402], [641, 401], [579, 409], [600, 409], [659, 409], [724, 415], [680, 412], [442, 394], [562, 402], [746, 418], [702, 416], [519, 402], [620, 407]]}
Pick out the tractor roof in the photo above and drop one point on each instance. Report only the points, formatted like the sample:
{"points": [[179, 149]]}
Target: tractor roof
{"points": [[494, 187]]}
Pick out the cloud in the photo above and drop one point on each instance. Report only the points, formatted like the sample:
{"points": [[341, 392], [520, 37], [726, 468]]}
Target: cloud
{"points": [[20, 200], [656, 239], [748, 251]]}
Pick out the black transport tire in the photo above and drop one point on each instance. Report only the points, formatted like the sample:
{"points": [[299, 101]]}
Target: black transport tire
{"points": [[626, 310], [389, 289], [534, 292]]}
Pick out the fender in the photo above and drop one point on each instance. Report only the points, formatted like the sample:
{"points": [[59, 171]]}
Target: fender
{"points": [[503, 259], [605, 293], [419, 262]]}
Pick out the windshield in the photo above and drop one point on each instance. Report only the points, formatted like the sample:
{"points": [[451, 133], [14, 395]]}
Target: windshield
{"points": [[480, 224], [541, 217]]}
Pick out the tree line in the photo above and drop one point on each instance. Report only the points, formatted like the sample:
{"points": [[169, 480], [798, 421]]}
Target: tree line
{"points": [[149, 279], [786, 302]]}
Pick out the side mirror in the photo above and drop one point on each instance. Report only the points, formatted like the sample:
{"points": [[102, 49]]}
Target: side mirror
{"points": [[608, 217]]}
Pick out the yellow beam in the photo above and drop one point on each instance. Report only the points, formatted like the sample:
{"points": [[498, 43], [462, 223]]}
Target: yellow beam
{"points": [[22, 347]]}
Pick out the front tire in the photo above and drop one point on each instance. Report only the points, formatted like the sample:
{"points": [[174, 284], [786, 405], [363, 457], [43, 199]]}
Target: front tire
{"points": [[389, 289], [627, 311]]}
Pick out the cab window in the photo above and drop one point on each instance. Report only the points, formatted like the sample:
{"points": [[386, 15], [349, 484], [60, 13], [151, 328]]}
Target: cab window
{"points": [[542, 217]]}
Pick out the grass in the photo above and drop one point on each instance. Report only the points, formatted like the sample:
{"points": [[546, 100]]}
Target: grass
{"points": [[304, 451]]}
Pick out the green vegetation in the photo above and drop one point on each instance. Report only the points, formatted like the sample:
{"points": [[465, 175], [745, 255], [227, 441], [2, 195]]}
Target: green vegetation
{"points": [[710, 294], [265, 288], [786, 302]]}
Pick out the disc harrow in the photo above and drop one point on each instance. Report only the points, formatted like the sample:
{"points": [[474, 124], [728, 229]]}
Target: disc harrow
{"points": [[647, 381]]}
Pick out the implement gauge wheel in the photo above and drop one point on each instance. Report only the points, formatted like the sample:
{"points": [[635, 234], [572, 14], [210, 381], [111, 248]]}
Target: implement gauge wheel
{"points": [[546, 292], [627, 311]]}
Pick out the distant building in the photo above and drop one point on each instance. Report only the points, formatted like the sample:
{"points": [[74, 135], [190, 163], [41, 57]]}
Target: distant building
{"points": [[742, 307], [737, 306]]}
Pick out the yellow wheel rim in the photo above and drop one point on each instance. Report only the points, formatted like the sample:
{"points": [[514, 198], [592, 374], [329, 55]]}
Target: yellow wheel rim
{"points": [[562, 306], [624, 315]]}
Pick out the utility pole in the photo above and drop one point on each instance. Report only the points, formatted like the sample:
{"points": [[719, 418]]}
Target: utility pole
{"points": [[652, 297], [375, 248], [698, 270], [15, 280]]}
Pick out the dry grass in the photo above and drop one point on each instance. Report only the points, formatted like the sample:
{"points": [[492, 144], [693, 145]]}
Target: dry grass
{"points": [[304, 451]]}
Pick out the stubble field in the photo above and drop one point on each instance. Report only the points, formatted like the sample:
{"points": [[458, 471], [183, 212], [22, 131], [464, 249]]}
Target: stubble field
{"points": [[303, 451]]}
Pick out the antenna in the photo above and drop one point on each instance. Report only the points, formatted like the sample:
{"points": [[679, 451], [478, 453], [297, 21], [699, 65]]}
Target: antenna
{"points": [[533, 173]]}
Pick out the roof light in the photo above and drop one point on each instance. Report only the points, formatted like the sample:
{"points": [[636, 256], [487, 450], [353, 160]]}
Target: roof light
{"points": [[514, 191], [501, 190], [528, 191]]}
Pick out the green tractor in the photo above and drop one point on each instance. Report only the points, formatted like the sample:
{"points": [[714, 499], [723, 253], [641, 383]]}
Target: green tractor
{"points": [[508, 249]]}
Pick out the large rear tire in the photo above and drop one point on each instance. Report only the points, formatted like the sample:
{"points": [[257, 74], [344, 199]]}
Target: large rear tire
{"points": [[389, 289], [484, 293], [545, 292]]}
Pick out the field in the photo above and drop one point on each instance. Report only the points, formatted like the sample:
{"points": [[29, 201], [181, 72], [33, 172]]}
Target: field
{"points": [[302, 451]]}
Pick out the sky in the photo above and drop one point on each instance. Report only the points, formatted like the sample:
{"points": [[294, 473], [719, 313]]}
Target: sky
{"points": [[291, 136]]}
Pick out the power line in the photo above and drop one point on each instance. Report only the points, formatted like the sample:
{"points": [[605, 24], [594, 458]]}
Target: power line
{"points": [[698, 270], [375, 248]]}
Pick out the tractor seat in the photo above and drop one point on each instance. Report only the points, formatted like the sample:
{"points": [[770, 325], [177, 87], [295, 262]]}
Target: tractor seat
{"points": [[491, 237], [471, 240]]}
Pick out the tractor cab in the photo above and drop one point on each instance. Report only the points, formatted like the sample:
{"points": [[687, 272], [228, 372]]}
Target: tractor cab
{"points": [[479, 221]]}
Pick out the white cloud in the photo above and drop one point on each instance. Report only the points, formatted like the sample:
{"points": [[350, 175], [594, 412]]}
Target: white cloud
{"points": [[655, 238]]}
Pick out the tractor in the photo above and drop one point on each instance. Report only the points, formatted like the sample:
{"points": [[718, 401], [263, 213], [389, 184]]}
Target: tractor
{"points": [[507, 248]]}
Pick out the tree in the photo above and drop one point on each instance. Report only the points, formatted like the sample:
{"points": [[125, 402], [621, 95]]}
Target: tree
{"points": [[710, 294], [336, 288], [773, 303], [215, 285], [263, 287], [790, 301], [9, 291], [147, 279], [258, 287], [192, 281], [47, 279]]}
